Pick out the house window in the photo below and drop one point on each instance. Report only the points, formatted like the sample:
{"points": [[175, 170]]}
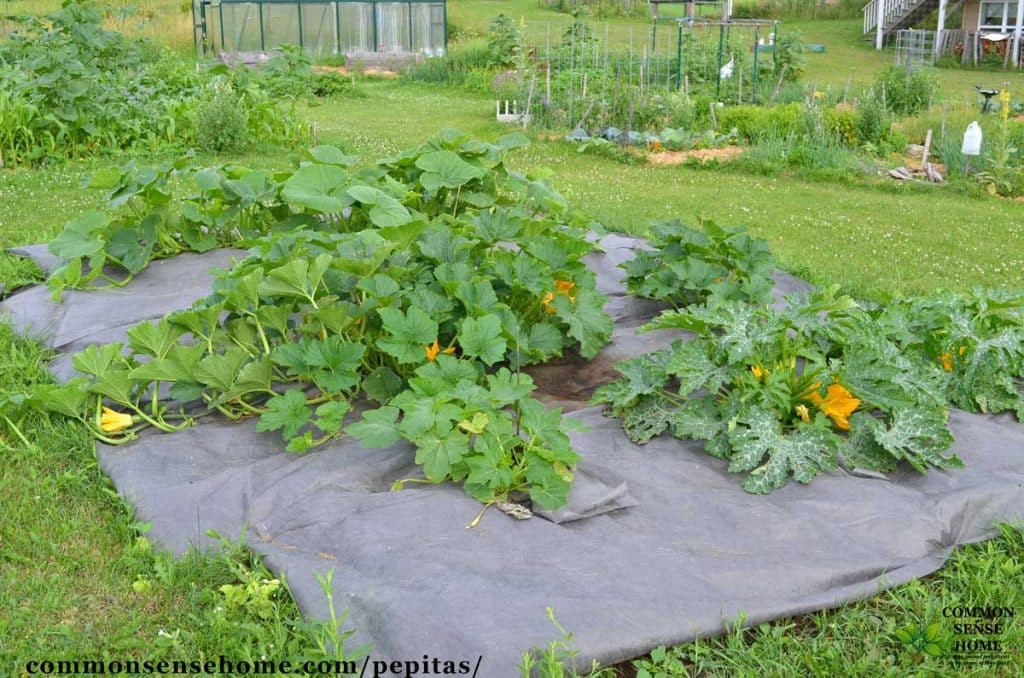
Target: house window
{"points": [[997, 16]]}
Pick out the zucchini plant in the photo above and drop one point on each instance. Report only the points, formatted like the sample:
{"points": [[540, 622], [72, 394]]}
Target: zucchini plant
{"points": [[787, 394]]}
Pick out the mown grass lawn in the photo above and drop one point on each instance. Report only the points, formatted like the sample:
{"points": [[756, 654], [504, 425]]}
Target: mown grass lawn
{"points": [[77, 581]]}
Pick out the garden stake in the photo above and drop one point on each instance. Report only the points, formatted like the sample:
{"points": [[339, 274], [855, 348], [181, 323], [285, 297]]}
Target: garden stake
{"points": [[579, 125], [679, 59], [529, 101], [927, 148], [547, 77], [629, 123], [718, 71], [757, 40], [778, 85]]}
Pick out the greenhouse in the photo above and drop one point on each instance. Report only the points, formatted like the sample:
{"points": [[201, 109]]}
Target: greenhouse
{"points": [[321, 27]]}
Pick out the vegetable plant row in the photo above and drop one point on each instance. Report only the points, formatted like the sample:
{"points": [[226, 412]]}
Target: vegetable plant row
{"points": [[790, 393], [399, 301], [413, 290]]}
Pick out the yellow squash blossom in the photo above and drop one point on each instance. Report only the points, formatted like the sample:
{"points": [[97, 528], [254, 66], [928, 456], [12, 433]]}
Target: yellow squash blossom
{"points": [[565, 287], [433, 349], [760, 373], [838, 404], [112, 421], [548, 298], [803, 413], [947, 361]]}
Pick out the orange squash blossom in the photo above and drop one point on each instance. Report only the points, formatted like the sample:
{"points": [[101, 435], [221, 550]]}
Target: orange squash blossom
{"points": [[838, 404]]}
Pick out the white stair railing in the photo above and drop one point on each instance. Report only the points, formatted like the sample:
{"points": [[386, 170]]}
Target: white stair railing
{"points": [[891, 10]]}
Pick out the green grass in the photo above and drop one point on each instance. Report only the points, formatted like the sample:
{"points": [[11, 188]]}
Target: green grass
{"points": [[75, 580]]}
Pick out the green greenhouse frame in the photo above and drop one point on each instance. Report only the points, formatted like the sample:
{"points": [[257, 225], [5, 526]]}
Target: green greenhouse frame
{"points": [[321, 27]]}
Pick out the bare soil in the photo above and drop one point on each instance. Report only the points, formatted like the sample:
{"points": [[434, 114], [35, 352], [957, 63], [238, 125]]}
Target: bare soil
{"points": [[670, 158]]}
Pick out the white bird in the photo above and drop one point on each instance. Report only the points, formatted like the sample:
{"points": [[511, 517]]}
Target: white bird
{"points": [[726, 72]]}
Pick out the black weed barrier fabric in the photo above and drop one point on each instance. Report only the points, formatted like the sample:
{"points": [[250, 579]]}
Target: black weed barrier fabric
{"points": [[659, 543]]}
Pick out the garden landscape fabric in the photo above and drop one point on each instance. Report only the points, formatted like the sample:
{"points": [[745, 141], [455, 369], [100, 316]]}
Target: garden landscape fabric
{"points": [[659, 544]]}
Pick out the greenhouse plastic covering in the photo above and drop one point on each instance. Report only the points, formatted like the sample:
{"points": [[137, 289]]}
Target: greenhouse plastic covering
{"points": [[659, 544], [323, 27]]}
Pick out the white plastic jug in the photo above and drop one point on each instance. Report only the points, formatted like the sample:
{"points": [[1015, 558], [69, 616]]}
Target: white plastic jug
{"points": [[972, 140]]}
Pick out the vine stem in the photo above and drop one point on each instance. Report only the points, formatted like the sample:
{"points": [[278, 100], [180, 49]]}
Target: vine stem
{"points": [[17, 432], [476, 521]]}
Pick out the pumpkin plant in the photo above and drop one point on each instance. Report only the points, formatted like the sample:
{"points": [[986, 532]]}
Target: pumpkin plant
{"points": [[405, 292]]}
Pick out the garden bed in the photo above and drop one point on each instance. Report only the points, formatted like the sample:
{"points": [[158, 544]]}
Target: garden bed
{"points": [[702, 155], [661, 530]]}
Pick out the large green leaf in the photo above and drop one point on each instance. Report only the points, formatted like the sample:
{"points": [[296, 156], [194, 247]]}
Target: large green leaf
{"points": [[439, 452], [317, 187], [385, 211], [482, 338], [287, 412], [154, 340], [377, 428], [409, 334], [82, 237], [331, 155], [587, 321], [97, 359], [772, 457], [445, 169], [919, 436], [691, 363]]}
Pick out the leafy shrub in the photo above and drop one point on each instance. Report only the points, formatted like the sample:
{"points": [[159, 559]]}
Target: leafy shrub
{"points": [[290, 73], [220, 122], [792, 93], [906, 93], [821, 156], [872, 122], [757, 122], [682, 113], [786, 393], [69, 87], [789, 55], [506, 43], [468, 67], [843, 124]]}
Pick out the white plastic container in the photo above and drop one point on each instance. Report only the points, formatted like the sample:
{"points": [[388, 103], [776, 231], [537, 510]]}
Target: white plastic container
{"points": [[972, 140]]}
